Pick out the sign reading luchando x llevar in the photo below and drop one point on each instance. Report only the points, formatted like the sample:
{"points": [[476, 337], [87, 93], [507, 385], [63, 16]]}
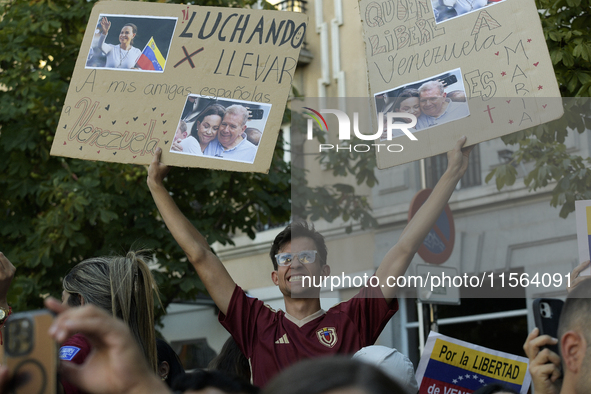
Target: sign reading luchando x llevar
{"points": [[207, 85], [478, 68]]}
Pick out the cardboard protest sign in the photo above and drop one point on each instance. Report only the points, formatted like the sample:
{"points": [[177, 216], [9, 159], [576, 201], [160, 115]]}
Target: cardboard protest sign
{"points": [[479, 68], [451, 366], [583, 215], [208, 85]]}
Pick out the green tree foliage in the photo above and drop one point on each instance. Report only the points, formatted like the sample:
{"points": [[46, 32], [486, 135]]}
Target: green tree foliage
{"points": [[568, 36], [55, 211]]}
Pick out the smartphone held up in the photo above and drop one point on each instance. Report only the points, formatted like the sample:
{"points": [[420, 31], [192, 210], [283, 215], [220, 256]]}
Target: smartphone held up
{"points": [[30, 353]]}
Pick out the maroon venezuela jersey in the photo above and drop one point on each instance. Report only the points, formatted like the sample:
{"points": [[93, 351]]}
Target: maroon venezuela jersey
{"points": [[75, 349], [273, 340]]}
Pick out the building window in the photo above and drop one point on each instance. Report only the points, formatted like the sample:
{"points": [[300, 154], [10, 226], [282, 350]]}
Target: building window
{"points": [[435, 167], [291, 5]]}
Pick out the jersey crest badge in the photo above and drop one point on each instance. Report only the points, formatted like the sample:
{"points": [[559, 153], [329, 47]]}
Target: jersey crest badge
{"points": [[67, 353], [327, 336]]}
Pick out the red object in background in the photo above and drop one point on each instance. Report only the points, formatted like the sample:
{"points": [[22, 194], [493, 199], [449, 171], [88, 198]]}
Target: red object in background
{"points": [[439, 243]]}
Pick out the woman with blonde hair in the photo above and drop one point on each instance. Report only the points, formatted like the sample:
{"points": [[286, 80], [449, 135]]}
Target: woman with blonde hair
{"points": [[123, 286]]}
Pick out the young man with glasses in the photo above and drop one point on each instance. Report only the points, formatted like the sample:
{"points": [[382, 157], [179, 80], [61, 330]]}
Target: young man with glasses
{"points": [[273, 340]]}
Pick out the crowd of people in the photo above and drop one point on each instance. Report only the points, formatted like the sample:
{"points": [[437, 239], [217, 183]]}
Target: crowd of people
{"points": [[105, 322], [218, 132]]}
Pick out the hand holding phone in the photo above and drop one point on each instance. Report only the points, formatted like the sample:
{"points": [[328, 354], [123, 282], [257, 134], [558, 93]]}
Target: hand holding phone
{"points": [[449, 80], [255, 113], [30, 353], [544, 364], [546, 316]]}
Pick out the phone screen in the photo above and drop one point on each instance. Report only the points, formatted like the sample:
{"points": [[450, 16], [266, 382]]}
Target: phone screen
{"points": [[256, 113]]}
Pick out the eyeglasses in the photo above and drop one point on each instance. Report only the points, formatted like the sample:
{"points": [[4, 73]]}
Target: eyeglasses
{"points": [[304, 257]]}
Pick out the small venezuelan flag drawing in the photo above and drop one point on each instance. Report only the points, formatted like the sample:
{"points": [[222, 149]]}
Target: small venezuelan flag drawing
{"points": [[151, 58]]}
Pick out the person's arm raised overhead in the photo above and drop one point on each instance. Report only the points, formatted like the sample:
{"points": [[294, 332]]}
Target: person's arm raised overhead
{"points": [[399, 257], [7, 271], [210, 269], [575, 279]]}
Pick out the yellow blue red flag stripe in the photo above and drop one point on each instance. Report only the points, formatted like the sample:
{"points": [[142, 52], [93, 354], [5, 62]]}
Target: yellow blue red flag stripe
{"points": [[151, 58], [452, 366]]}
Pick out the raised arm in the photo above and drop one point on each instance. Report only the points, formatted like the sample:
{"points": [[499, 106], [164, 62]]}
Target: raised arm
{"points": [[575, 279], [7, 271], [98, 40], [210, 269], [399, 257]]}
